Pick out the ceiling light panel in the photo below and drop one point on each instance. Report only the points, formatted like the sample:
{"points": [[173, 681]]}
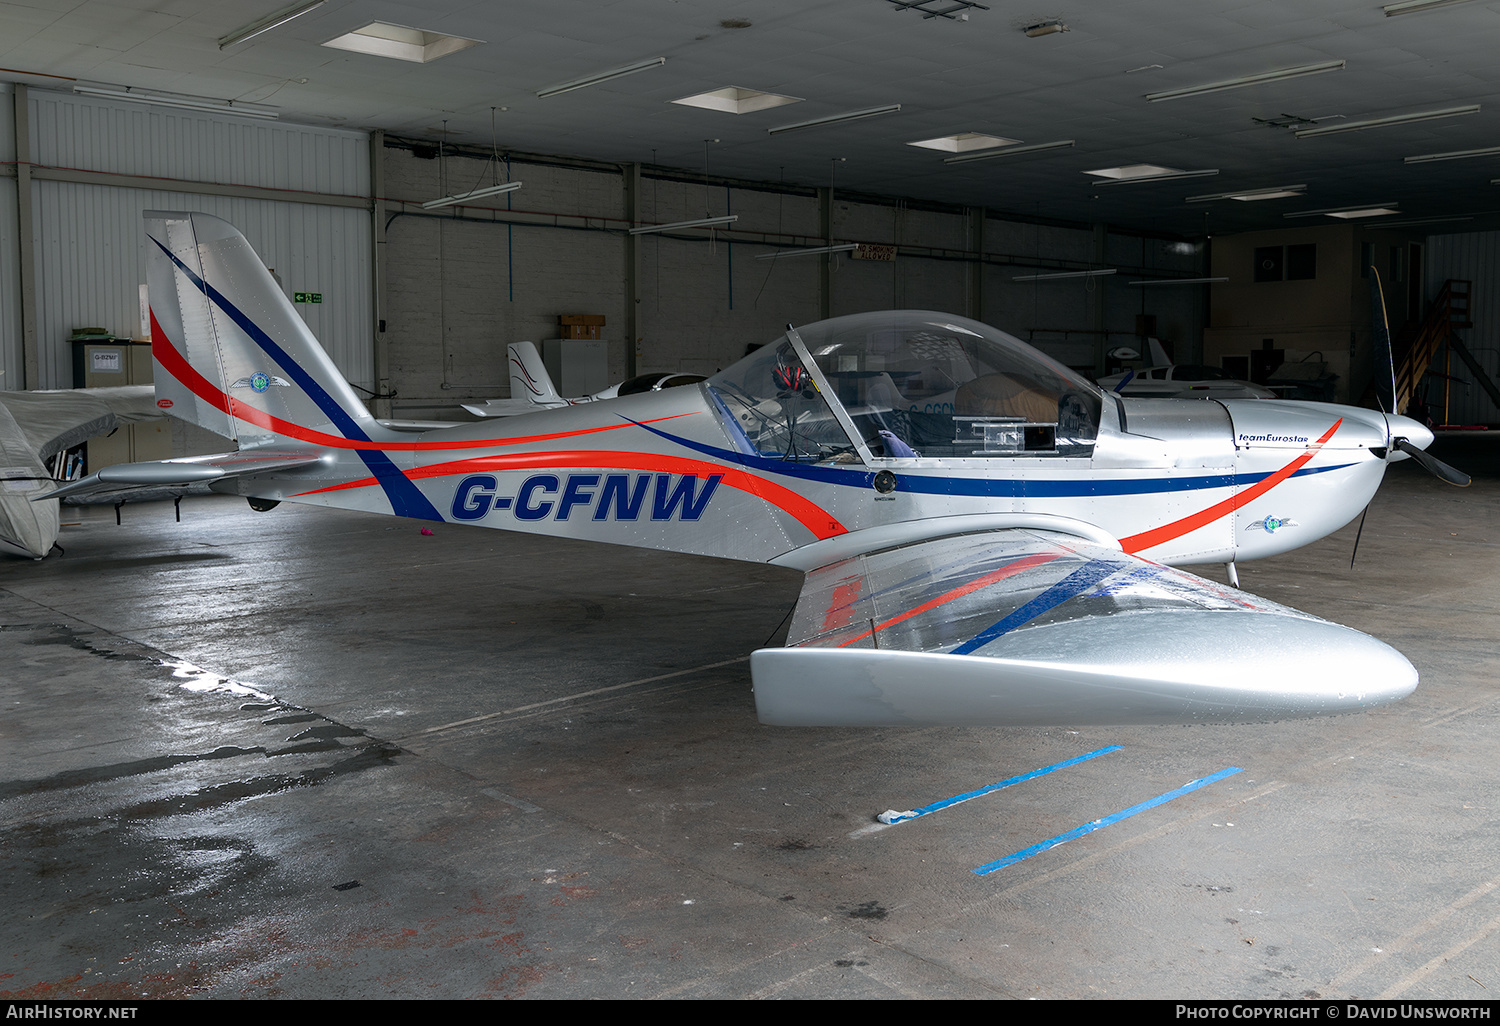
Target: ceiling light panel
{"points": [[1414, 6], [964, 142], [1424, 158], [1367, 210], [275, 19], [205, 104], [1251, 195], [1009, 151], [736, 100], [837, 119], [1129, 171], [701, 222], [1351, 215], [1395, 119], [1060, 275], [601, 76], [1279, 75], [400, 42], [1167, 176]]}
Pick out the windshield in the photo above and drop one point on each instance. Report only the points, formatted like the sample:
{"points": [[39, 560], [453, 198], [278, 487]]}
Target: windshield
{"points": [[915, 384]]}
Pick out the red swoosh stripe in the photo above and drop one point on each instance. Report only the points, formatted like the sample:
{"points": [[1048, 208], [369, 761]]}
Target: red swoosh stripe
{"points": [[994, 576], [810, 515], [1177, 528], [176, 364]]}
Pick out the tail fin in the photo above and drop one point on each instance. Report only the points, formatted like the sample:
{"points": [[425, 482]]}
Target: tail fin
{"points": [[1159, 357], [232, 355], [528, 376]]}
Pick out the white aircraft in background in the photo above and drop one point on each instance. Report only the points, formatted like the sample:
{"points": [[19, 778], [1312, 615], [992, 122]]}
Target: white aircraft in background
{"points": [[531, 387], [34, 427], [987, 537], [1166, 380]]}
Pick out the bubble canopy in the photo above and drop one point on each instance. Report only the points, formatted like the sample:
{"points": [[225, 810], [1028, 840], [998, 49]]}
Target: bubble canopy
{"points": [[905, 384]]}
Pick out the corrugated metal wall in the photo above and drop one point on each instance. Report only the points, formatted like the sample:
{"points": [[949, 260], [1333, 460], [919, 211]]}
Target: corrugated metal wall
{"points": [[10, 261], [1473, 257], [90, 245]]}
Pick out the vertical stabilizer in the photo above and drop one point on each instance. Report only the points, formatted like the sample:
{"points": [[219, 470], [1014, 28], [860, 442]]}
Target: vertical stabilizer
{"points": [[232, 354], [1159, 357], [528, 376]]}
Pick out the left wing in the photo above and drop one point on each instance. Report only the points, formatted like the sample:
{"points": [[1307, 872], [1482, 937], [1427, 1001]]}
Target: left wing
{"points": [[1034, 628]]}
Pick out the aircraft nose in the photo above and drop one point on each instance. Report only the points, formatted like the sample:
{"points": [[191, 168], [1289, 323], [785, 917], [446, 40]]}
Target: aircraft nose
{"points": [[1413, 431]]}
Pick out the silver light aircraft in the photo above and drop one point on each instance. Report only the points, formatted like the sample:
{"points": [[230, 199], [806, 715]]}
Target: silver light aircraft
{"points": [[987, 537]]}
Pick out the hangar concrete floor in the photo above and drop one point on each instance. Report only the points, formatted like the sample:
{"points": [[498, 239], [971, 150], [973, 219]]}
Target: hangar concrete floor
{"points": [[483, 765]]}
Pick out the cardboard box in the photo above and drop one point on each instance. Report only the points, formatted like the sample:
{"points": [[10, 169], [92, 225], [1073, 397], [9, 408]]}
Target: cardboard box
{"points": [[588, 326]]}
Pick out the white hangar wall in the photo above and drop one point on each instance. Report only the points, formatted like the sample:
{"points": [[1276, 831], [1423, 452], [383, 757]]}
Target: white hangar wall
{"points": [[93, 165], [456, 285], [459, 283]]}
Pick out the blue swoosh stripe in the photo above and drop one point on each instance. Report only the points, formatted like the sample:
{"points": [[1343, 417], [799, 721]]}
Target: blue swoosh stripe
{"points": [[405, 498], [1079, 581], [978, 487]]}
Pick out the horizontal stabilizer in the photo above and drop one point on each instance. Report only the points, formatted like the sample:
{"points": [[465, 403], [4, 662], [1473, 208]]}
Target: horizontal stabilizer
{"points": [[184, 471], [1026, 628]]}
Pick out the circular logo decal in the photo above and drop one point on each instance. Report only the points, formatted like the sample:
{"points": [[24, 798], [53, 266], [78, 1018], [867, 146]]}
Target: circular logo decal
{"points": [[259, 382]]}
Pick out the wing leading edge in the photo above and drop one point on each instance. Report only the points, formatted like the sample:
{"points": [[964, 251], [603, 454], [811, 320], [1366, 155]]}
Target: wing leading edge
{"points": [[1031, 628]]}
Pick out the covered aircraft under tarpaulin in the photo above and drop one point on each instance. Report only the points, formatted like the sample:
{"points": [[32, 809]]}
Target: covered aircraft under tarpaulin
{"points": [[35, 426], [987, 537]]}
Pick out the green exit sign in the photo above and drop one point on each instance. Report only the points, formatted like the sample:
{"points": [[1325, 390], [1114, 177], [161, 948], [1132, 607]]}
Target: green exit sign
{"points": [[307, 297]]}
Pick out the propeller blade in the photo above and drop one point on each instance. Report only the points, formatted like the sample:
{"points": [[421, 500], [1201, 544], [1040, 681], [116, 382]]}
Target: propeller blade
{"points": [[1357, 535], [1434, 466], [1380, 342]]}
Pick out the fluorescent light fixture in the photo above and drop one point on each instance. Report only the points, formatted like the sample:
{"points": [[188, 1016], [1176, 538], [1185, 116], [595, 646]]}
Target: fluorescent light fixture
{"points": [[601, 76], [493, 190], [1395, 119], [1251, 195], [837, 119], [1415, 221], [1178, 281], [1066, 274], [400, 42], [1247, 80], [273, 20], [1345, 213], [1045, 28], [1413, 6], [702, 222], [735, 100], [1009, 151], [202, 104], [1167, 177], [964, 142], [1488, 151], [845, 247]]}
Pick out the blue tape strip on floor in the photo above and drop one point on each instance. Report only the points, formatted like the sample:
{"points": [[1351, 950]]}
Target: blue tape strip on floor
{"points": [[1098, 824], [1008, 781]]}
